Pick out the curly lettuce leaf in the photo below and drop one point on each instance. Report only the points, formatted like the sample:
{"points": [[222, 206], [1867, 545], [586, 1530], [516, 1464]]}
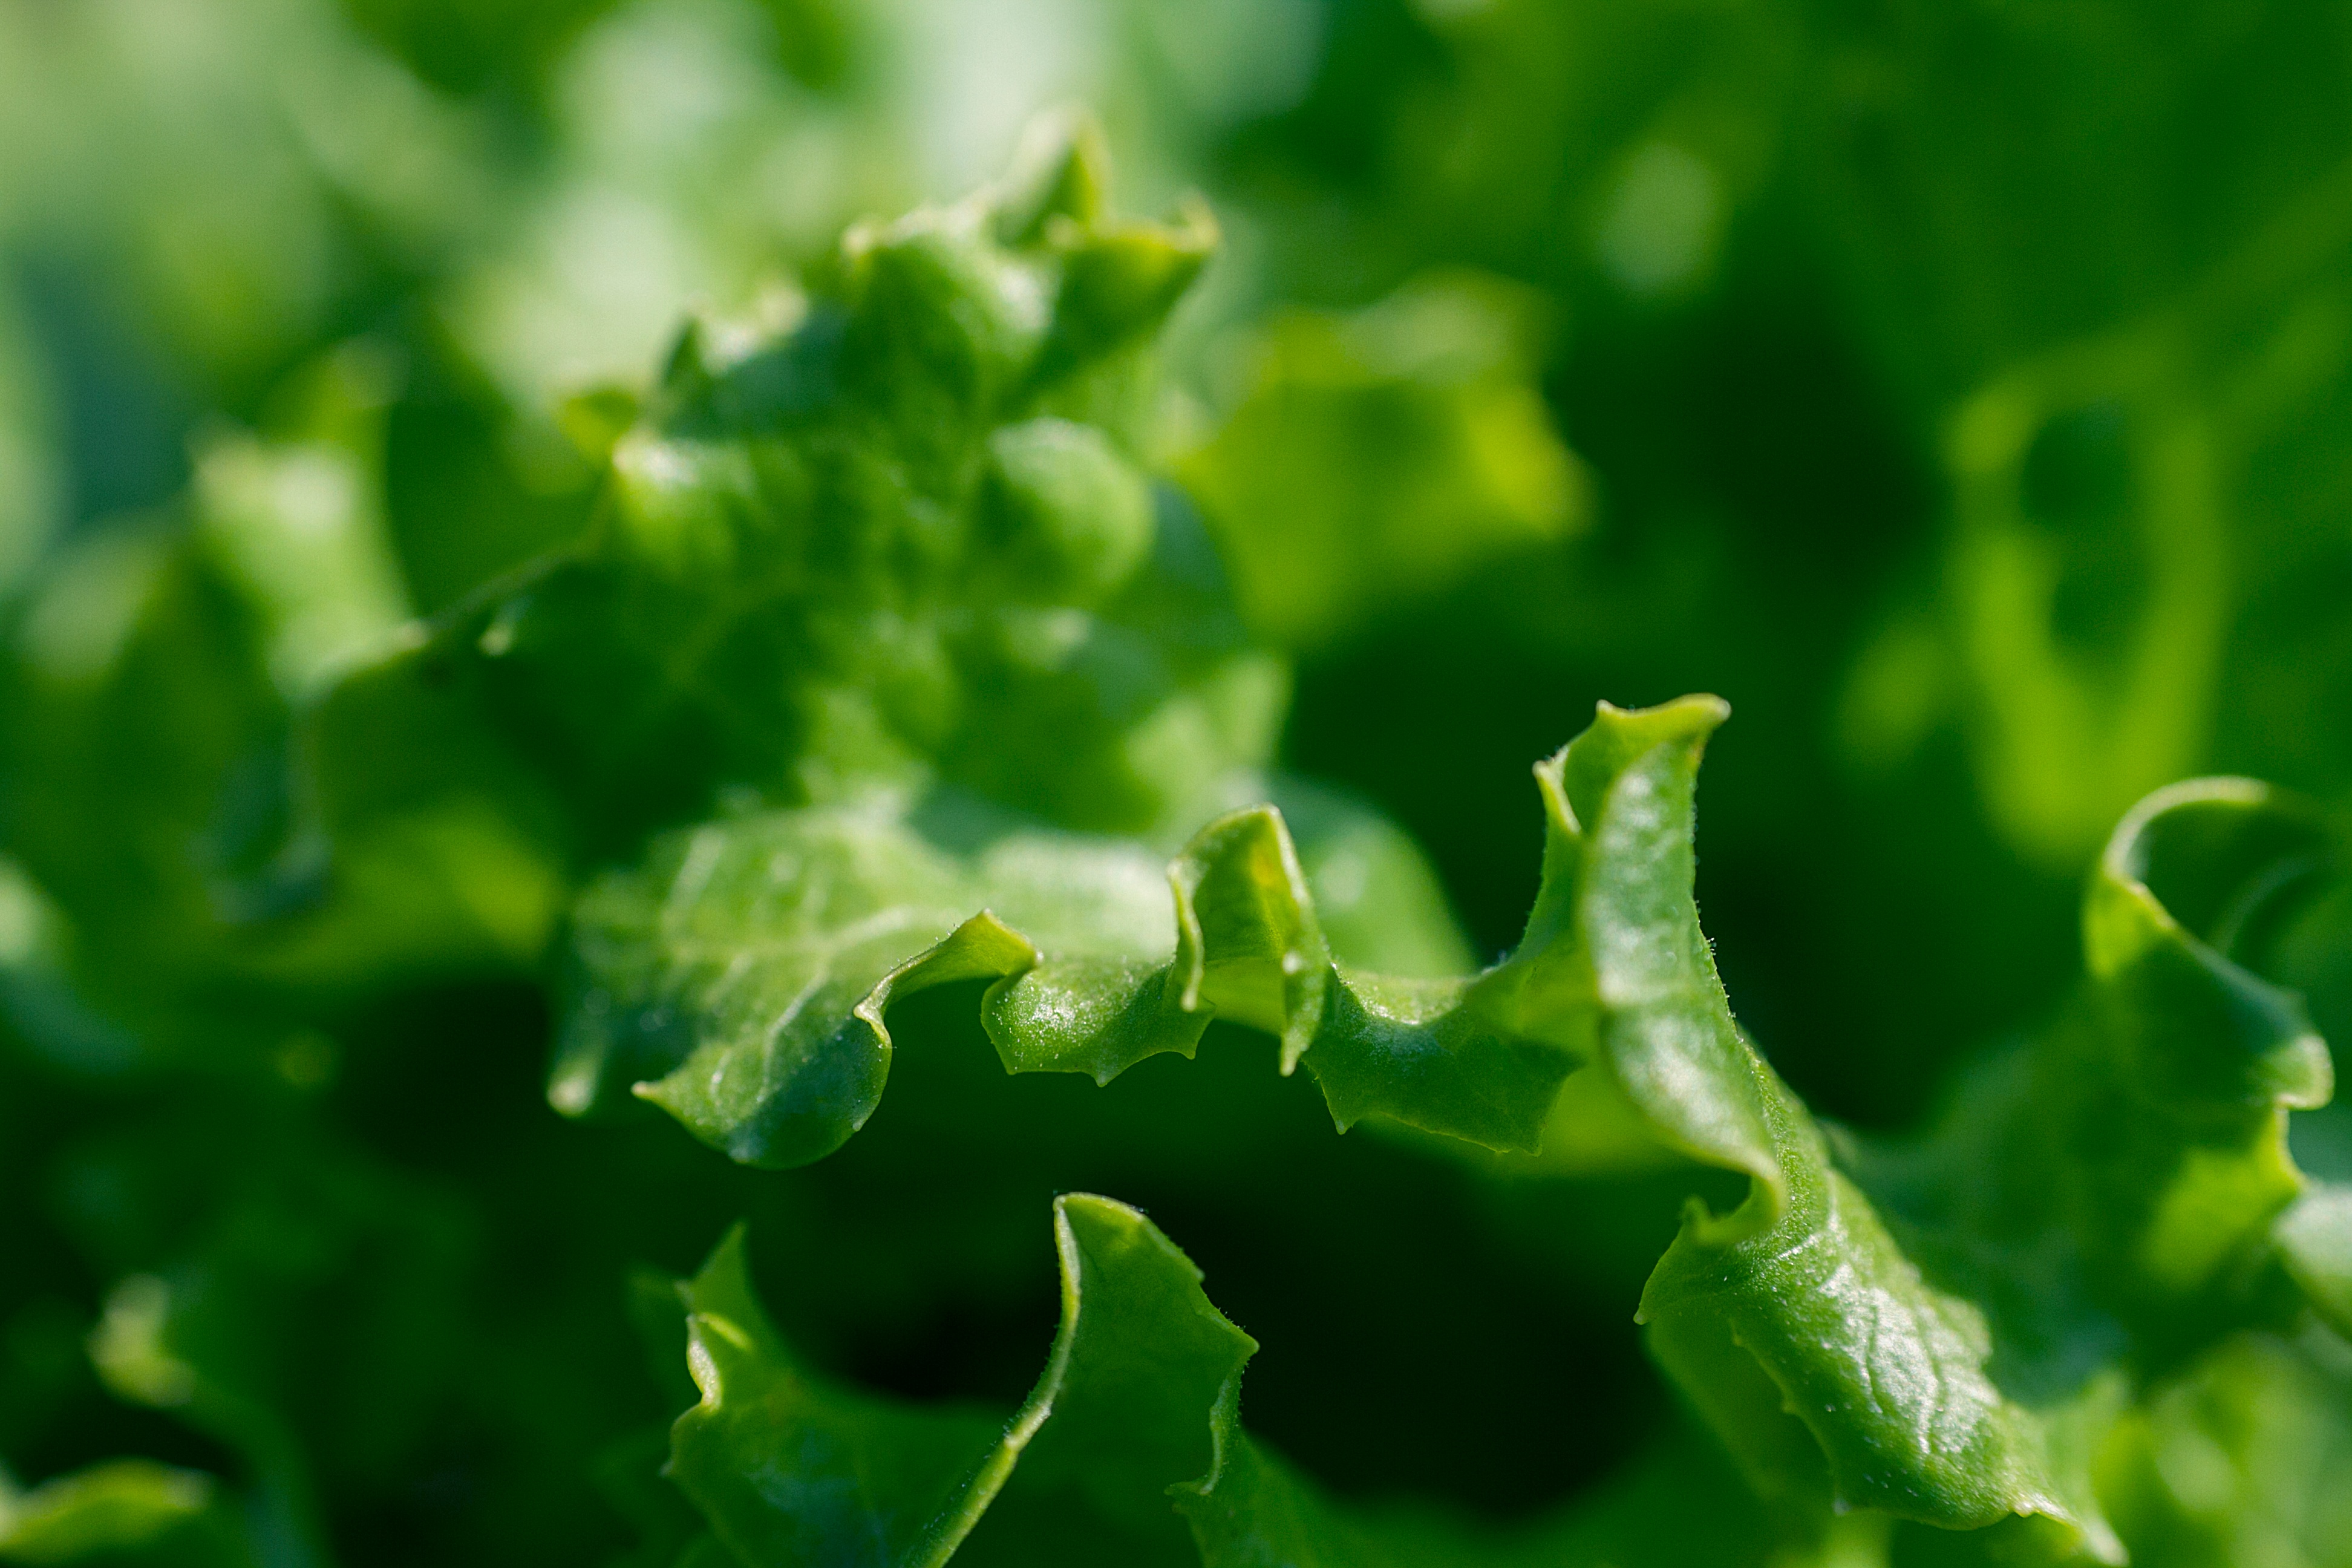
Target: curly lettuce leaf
{"points": [[1131, 1442], [789, 1468], [892, 531], [2117, 1193], [2203, 1057], [889, 532], [2126, 1176], [784, 1015], [742, 976], [1840, 1378], [880, 591], [2114, 1189], [1944, 1333]]}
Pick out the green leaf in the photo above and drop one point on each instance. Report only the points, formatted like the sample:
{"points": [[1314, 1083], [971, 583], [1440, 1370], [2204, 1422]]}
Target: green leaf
{"points": [[1061, 170], [1674, 1504], [127, 1512], [1848, 1363], [789, 1469], [1839, 1376], [887, 664], [297, 524], [891, 533], [297, 1305], [1134, 1424], [1381, 457], [2314, 1239], [2138, 1146], [2242, 1456], [1615, 924], [2106, 1191], [135, 703], [739, 978], [152, 689], [630, 1476]]}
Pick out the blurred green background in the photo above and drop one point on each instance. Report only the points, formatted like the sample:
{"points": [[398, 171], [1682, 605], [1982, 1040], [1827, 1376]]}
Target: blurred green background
{"points": [[1963, 390]]}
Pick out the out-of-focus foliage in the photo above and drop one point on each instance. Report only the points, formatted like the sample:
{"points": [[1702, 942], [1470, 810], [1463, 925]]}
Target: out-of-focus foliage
{"points": [[1379, 459], [1116, 651]]}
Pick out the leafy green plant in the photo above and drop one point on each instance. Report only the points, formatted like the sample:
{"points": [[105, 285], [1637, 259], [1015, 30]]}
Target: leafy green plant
{"points": [[884, 667]]}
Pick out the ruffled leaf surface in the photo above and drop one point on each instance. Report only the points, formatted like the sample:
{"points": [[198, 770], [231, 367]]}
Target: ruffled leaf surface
{"points": [[1946, 1332], [791, 1469]]}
